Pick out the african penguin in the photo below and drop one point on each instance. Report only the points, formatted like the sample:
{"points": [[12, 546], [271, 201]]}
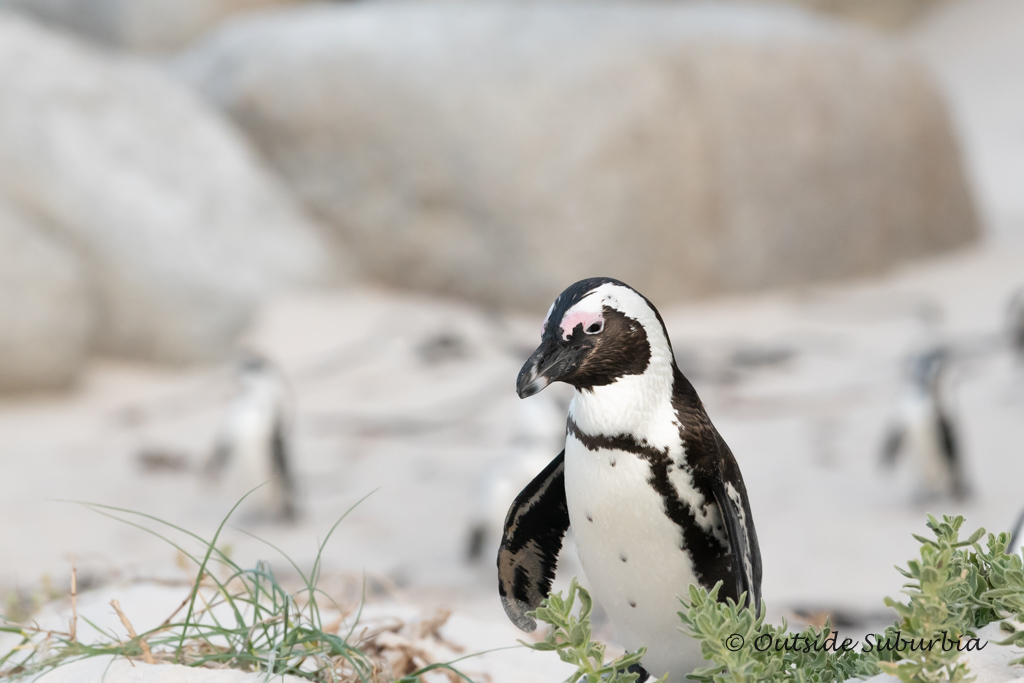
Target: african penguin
{"points": [[1017, 537], [1015, 321], [922, 429], [535, 428], [653, 494], [498, 485], [252, 445]]}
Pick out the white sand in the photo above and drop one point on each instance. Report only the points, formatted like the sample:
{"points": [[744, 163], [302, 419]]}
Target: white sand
{"points": [[806, 432]]}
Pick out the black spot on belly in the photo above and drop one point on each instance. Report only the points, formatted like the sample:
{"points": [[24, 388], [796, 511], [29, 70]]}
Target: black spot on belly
{"points": [[589, 518], [622, 557], [632, 603], [612, 462]]}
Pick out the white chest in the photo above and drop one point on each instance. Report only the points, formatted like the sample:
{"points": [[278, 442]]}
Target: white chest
{"points": [[249, 432], [923, 445], [250, 428], [631, 553]]}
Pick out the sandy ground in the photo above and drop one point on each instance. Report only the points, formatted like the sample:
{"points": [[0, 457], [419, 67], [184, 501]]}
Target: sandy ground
{"points": [[411, 400]]}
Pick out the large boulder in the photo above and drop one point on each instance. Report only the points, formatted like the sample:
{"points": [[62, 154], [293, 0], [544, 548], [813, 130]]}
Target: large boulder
{"points": [[887, 15], [46, 313], [499, 150], [976, 48], [147, 25], [181, 230]]}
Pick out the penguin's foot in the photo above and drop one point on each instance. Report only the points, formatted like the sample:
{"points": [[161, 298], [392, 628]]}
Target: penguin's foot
{"points": [[637, 669]]}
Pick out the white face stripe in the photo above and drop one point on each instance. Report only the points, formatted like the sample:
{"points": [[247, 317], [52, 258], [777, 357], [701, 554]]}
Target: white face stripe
{"points": [[546, 316], [624, 300], [640, 405]]}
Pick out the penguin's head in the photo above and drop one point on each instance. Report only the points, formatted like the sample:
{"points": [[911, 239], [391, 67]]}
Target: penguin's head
{"points": [[595, 332], [252, 371]]}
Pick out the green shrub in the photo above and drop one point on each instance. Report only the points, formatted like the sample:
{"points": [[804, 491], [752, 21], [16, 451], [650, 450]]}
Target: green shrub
{"points": [[260, 627], [953, 589], [570, 637]]}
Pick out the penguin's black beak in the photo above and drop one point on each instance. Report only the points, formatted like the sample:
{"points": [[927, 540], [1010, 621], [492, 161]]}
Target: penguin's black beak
{"points": [[531, 380], [553, 360]]}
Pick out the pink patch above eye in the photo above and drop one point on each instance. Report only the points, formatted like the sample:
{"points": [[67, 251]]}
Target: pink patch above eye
{"points": [[586, 318]]}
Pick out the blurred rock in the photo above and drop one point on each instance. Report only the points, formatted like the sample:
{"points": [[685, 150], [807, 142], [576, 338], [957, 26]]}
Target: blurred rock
{"points": [[976, 48], [137, 24], [888, 15], [46, 312], [183, 232], [497, 151]]}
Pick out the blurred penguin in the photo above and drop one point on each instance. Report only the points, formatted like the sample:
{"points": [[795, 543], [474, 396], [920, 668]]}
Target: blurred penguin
{"points": [[535, 429], [497, 487], [252, 447], [924, 432], [1016, 537], [1016, 324]]}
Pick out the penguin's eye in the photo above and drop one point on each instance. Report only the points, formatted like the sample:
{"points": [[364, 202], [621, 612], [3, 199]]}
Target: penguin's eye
{"points": [[595, 327]]}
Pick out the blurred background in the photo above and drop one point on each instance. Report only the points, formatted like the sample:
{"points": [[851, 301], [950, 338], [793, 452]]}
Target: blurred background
{"points": [[344, 221]]}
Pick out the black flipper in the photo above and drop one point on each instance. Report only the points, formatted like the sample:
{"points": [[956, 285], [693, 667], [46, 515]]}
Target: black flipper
{"points": [[949, 443], [1017, 534], [280, 457], [743, 544], [951, 450], [893, 442], [534, 528], [477, 539], [282, 469], [644, 676]]}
